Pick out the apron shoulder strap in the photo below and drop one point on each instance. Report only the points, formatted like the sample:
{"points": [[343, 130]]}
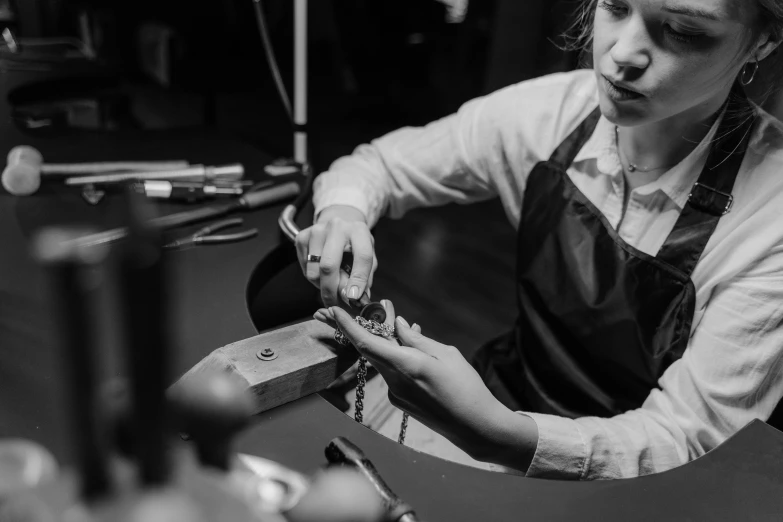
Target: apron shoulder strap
{"points": [[564, 155], [710, 197]]}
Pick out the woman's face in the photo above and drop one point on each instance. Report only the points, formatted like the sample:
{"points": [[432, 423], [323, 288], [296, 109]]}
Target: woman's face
{"points": [[668, 57]]}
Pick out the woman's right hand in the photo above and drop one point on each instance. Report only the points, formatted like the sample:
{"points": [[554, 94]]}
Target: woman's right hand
{"points": [[338, 229]]}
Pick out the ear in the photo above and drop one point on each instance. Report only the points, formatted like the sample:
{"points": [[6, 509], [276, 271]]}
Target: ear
{"points": [[766, 45]]}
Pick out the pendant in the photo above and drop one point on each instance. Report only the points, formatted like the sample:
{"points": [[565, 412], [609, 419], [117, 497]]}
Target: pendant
{"points": [[631, 167]]}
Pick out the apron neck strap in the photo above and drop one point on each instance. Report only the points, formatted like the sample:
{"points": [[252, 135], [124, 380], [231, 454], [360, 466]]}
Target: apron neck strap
{"points": [[711, 197], [564, 155]]}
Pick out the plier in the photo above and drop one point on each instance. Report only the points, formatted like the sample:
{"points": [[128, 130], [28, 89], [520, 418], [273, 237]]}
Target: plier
{"points": [[205, 235]]}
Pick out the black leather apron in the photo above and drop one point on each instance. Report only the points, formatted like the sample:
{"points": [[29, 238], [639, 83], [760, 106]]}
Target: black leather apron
{"points": [[599, 320]]}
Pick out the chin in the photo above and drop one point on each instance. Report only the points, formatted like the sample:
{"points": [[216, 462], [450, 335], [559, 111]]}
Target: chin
{"points": [[621, 115]]}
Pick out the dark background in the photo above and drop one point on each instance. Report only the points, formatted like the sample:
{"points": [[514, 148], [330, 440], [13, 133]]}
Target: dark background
{"points": [[373, 66]]}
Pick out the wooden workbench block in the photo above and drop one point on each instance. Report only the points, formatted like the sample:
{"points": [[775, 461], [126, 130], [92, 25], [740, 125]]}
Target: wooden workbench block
{"points": [[306, 360]]}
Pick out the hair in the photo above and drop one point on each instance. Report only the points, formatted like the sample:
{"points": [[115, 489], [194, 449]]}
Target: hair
{"points": [[579, 37]]}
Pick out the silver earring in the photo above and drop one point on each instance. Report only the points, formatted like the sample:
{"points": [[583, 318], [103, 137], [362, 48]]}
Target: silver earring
{"points": [[744, 82]]}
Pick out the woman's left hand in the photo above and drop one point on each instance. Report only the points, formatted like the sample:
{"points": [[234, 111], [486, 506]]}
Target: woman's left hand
{"points": [[436, 385]]}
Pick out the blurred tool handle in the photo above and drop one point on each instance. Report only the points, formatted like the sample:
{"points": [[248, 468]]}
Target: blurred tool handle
{"points": [[341, 451], [235, 171], [261, 198], [112, 166]]}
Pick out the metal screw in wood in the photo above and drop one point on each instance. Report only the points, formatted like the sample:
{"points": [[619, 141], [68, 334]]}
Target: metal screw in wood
{"points": [[266, 354]]}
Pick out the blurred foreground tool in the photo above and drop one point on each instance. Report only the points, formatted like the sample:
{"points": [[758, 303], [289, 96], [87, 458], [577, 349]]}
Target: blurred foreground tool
{"points": [[142, 279], [212, 410], [339, 495], [342, 452], [154, 478], [72, 271]]}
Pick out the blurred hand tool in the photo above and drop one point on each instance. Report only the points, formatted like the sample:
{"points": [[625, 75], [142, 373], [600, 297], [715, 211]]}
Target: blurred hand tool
{"points": [[22, 174], [206, 236], [249, 201], [193, 191]]}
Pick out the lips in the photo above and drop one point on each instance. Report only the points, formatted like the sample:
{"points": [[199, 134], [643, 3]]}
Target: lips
{"points": [[621, 89]]}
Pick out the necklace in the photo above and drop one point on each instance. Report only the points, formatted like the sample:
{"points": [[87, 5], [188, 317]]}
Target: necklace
{"points": [[387, 332], [632, 167]]}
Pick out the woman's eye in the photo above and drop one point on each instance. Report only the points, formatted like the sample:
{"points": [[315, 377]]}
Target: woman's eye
{"points": [[680, 36], [612, 8]]}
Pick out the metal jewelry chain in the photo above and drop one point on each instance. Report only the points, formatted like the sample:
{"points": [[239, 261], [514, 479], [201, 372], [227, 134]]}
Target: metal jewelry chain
{"points": [[382, 330], [361, 378]]}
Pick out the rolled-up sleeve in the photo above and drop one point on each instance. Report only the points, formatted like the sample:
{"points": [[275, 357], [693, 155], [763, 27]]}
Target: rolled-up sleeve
{"points": [[729, 375], [485, 149], [410, 167]]}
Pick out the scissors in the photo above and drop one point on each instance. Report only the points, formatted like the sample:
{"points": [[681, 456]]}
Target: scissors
{"points": [[205, 236]]}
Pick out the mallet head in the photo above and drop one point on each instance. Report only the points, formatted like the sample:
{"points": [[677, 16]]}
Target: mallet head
{"points": [[22, 174]]}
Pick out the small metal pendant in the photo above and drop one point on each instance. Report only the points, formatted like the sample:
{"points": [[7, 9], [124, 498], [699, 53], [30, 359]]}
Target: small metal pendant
{"points": [[631, 167]]}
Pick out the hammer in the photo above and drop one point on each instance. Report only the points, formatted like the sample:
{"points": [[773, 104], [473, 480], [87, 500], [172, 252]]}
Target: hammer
{"points": [[22, 174], [341, 451]]}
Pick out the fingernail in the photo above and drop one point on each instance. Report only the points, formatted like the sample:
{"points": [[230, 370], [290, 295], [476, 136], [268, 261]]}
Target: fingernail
{"points": [[368, 293], [353, 293], [414, 326], [318, 316], [384, 303], [402, 321]]}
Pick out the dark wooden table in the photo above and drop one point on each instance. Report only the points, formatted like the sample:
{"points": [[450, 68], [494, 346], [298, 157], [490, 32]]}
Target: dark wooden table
{"points": [[741, 480]]}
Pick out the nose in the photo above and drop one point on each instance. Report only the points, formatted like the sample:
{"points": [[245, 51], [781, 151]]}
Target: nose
{"points": [[631, 50]]}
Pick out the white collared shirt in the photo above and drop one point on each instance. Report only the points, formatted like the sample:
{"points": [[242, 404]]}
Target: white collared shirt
{"points": [[732, 370]]}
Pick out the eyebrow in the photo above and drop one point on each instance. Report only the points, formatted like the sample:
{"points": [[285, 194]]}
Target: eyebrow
{"points": [[692, 11]]}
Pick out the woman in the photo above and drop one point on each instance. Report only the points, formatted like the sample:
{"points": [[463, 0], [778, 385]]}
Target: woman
{"points": [[647, 194]]}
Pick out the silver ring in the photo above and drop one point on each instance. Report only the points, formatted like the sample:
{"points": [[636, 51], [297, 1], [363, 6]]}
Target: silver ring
{"points": [[313, 259]]}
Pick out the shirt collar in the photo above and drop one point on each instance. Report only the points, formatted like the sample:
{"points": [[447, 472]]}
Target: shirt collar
{"points": [[676, 183]]}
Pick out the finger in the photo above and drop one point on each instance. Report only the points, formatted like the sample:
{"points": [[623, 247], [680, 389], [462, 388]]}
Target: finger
{"points": [[342, 288], [361, 246], [321, 315], [416, 328], [379, 350], [328, 313], [390, 314], [315, 247], [371, 279], [414, 339], [331, 259], [301, 243]]}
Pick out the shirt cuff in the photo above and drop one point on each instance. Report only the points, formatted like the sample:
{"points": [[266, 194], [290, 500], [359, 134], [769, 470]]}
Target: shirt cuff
{"points": [[348, 196], [561, 452]]}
